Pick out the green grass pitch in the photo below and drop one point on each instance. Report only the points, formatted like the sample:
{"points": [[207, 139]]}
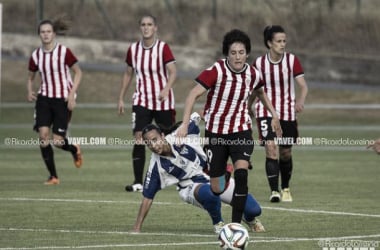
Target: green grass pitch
{"points": [[335, 191]]}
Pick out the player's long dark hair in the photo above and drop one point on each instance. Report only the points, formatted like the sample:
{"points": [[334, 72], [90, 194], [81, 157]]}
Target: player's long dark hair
{"points": [[269, 32]]}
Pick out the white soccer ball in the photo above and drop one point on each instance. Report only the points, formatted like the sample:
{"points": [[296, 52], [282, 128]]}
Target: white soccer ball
{"points": [[233, 236]]}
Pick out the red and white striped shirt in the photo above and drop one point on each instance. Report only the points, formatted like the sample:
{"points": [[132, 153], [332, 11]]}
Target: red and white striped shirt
{"points": [[279, 85], [226, 108], [149, 65], [54, 67]]}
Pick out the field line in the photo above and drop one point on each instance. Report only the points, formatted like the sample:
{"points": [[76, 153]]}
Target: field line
{"points": [[310, 211], [255, 240], [295, 210]]}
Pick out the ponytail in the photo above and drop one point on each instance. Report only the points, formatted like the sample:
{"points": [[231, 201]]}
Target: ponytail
{"points": [[269, 33]]}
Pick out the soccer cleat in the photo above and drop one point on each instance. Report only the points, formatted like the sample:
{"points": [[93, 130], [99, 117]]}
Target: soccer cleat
{"points": [[286, 196], [255, 225], [275, 197], [137, 187], [78, 157], [218, 227], [52, 181]]}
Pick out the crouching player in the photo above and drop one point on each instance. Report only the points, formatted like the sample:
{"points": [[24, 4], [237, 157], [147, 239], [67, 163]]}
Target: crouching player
{"points": [[183, 164]]}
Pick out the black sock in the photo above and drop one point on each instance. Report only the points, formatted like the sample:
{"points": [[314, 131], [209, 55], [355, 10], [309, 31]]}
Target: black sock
{"points": [[48, 157], [240, 194], [272, 168], [138, 155], [286, 169], [69, 147]]}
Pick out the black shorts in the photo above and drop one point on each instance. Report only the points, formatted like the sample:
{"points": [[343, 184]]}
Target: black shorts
{"points": [[52, 112], [289, 132], [238, 146], [142, 116]]}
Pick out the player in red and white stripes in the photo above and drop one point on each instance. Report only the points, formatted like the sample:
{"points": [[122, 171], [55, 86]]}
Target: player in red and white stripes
{"points": [[154, 65], [56, 95], [281, 71], [230, 84]]}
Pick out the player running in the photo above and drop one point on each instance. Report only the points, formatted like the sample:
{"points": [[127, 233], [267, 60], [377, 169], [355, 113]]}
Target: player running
{"points": [[56, 96]]}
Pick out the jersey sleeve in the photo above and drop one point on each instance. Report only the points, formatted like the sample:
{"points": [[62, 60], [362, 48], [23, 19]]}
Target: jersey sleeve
{"points": [[167, 54], [208, 77], [297, 67], [70, 59], [128, 58], [32, 65], [257, 79], [152, 183]]}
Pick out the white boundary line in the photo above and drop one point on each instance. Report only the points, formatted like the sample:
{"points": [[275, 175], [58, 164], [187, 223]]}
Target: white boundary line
{"points": [[295, 210], [255, 239]]}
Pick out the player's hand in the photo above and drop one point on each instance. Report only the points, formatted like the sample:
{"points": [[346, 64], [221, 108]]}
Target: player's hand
{"points": [[181, 131], [163, 94], [276, 126], [120, 107], [375, 146], [32, 96], [71, 103], [299, 107]]}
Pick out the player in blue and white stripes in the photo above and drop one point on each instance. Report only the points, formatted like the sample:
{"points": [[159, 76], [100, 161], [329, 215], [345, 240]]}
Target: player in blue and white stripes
{"points": [[182, 163]]}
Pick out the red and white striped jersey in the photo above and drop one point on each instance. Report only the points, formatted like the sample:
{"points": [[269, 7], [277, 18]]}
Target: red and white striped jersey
{"points": [[279, 85], [54, 67], [149, 65], [226, 108]]}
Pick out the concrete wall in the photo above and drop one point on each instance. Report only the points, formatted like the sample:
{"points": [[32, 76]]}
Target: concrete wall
{"points": [[190, 61]]}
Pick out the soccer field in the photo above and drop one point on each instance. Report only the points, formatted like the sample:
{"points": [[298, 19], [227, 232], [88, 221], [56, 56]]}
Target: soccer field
{"points": [[334, 186]]}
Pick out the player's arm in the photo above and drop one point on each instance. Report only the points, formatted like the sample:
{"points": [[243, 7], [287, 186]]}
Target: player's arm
{"points": [[194, 94], [375, 145], [31, 94], [172, 70], [300, 102], [251, 101], [268, 105], [77, 79], [143, 212], [127, 78]]}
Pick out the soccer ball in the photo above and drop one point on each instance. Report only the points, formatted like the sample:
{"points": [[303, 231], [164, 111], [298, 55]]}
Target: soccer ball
{"points": [[233, 236]]}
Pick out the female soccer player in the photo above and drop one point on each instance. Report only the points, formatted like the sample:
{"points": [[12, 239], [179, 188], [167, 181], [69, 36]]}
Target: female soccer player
{"points": [[154, 65], [229, 82], [183, 165], [56, 96], [280, 71]]}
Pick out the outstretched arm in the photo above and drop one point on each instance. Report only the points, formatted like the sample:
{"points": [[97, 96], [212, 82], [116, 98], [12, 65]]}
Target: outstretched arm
{"points": [[196, 92], [143, 212]]}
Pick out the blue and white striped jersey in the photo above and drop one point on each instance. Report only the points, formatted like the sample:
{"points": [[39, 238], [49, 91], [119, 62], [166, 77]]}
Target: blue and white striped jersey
{"points": [[184, 168]]}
